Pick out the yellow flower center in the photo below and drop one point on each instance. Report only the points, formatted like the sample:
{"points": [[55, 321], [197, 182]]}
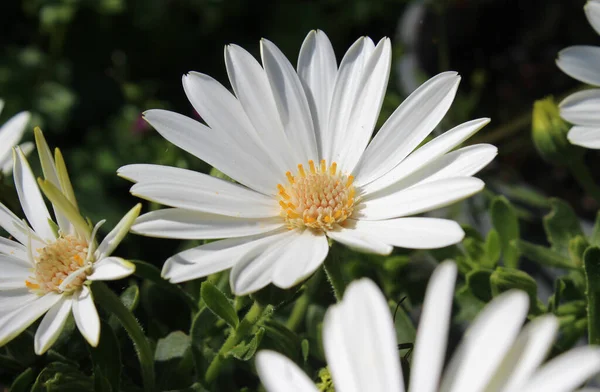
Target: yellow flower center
{"points": [[320, 199], [60, 266]]}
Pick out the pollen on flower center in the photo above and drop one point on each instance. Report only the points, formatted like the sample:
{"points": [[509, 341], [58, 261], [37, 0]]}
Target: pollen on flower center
{"points": [[60, 266], [319, 198]]}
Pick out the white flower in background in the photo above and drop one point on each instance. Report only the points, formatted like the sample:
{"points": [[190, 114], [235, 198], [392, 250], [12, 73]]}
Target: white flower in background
{"points": [[583, 108], [10, 135], [298, 143], [49, 266], [496, 353]]}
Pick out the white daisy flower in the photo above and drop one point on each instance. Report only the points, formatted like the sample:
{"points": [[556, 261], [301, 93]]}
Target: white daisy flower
{"points": [[46, 266], [496, 353], [10, 135], [297, 142], [582, 63]]}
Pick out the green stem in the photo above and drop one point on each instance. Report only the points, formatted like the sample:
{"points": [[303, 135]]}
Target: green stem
{"points": [[298, 311], [111, 303], [584, 177], [335, 275], [591, 261], [234, 338]]}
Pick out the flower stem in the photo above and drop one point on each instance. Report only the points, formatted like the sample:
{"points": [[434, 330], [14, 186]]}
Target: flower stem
{"points": [[234, 338], [584, 177], [111, 303], [335, 275]]}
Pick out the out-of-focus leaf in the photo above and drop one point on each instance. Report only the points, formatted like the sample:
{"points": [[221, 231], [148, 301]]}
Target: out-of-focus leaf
{"points": [[577, 247], [591, 260], [218, 303], [595, 238], [107, 358], [244, 351], [478, 281], [544, 256], [130, 298], [506, 223], [504, 279], [561, 225], [23, 381], [60, 377], [172, 346], [493, 248]]}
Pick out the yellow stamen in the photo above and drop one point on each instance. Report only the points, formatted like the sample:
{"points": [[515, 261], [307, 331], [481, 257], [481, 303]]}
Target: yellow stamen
{"points": [[301, 170], [32, 286], [350, 181], [289, 177], [323, 166], [333, 168], [311, 163]]}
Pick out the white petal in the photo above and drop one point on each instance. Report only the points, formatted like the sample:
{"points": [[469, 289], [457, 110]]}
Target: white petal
{"points": [[13, 225], [6, 164], [213, 257], [31, 198], [592, 11], [317, 69], [420, 198], [485, 343], [406, 128], [111, 268], [300, 258], [360, 241], [15, 299], [13, 323], [360, 341], [52, 324], [116, 235], [291, 101], [12, 132], [86, 316], [279, 374], [13, 248], [566, 371], [582, 107], [427, 154], [588, 137], [193, 190], [581, 62], [14, 267], [187, 224], [347, 83], [215, 148]]}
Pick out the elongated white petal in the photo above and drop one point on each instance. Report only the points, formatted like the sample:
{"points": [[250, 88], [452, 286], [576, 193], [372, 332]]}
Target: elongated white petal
{"points": [[12, 265], [432, 334], [31, 198], [52, 324], [406, 128], [13, 323], [585, 136], [581, 108], [111, 268], [360, 241], [427, 154], [187, 224], [11, 133], [215, 148], [16, 298], [214, 256], [581, 62], [300, 258], [13, 225], [116, 235], [360, 341], [420, 198], [317, 69], [279, 374], [290, 100], [486, 342], [592, 11], [13, 248], [86, 316], [566, 371]]}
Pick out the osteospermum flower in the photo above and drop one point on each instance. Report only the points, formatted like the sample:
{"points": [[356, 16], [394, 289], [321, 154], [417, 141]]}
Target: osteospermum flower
{"points": [[582, 108], [10, 135], [46, 266], [495, 355], [297, 142]]}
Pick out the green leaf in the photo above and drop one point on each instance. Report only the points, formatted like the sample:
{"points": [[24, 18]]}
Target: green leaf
{"points": [[561, 225], [595, 238], [405, 329], [577, 247], [305, 346], [59, 377], [504, 279], [506, 223], [172, 346], [478, 282], [591, 260], [107, 358], [544, 256], [130, 297], [282, 339], [493, 248], [202, 323], [554, 301], [245, 351], [23, 381], [218, 303]]}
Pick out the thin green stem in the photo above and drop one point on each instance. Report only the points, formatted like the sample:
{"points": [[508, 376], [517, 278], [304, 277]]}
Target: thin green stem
{"points": [[335, 275], [584, 177], [298, 311], [234, 338], [111, 303]]}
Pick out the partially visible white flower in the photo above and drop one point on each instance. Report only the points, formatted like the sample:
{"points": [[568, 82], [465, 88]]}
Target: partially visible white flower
{"points": [[495, 355], [50, 265], [10, 135], [582, 62]]}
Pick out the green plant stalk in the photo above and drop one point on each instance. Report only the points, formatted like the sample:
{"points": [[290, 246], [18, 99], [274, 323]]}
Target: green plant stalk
{"points": [[111, 303], [234, 338], [335, 275], [584, 177], [298, 311], [591, 259]]}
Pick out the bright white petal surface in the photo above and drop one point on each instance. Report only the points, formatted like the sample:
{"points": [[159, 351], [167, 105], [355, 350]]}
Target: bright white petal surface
{"points": [[581, 108], [111, 268], [581, 62], [187, 224], [407, 127], [420, 198], [13, 323], [360, 241], [11, 133], [432, 334], [6, 164], [197, 191], [280, 374], [290, 100], [116, 235], [13, 248], [14, 272], [317, 69], [15, 299], [592, 11], [52, 324], [31, 198], [86, 316], [360, 341], [566, 372], [588, 137], [215, 148], [13, 225], [486, 342]]}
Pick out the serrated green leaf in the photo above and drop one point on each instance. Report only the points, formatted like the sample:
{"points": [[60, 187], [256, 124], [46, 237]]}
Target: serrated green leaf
{"points": [[478, 282], [218, 303], [23, 381], [107, 358], [506, 223], [544, 256], [244, 351], [591, 260], [561, 225]]}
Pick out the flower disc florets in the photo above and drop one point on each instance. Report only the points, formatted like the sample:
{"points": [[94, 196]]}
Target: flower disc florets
{"points": [[320, 199]]}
